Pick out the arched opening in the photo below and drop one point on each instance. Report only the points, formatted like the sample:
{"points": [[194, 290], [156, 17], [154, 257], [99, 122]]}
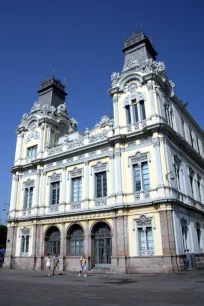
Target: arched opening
{"points": [[101, 244], [75, 241], [52, 241]]}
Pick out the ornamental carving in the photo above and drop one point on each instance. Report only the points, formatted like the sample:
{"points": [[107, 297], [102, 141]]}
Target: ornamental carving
{"points": [[73, 123], [24, 118], [132, 85], [75, 144], [130, 64], [191, 171], [144, 221], [25, 231], [36, 108], [100, 167], [139, 157], [76, 172], [29, 183], [177, 161], [62, 109], [104, 120], [153, 66], [32, 135], [55, 150], [98, 137], [198, 177], [100, 202], [114, 78], [55, 177]]}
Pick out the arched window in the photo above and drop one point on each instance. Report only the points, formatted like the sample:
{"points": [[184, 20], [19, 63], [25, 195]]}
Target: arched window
{"points": [[52, 241], [76, 241]]}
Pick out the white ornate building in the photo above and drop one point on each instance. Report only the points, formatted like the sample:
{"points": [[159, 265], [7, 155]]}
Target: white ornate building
{"points": [[129, 193]]}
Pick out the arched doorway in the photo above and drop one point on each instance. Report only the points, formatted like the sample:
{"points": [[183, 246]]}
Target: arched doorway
{"points": [[101, 245], [75, 241], [52, 241]]}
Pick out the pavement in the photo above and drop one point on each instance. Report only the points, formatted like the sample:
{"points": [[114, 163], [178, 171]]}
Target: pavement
{"points": [[34, 288]]}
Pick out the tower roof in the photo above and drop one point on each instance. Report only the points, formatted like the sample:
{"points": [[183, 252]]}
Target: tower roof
{"points": [[138, 40], [52, 92]]}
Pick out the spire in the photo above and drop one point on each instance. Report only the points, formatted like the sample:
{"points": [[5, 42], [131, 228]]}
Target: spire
{"points": [[52, 92]]}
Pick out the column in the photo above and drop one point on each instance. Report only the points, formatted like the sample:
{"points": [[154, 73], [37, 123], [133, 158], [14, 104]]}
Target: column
{"points": [[86, 243], [114, 257], [14, 193], [64, 186], [86, 181], [62, 247], [156, 145], [121, 244], [44, 191], [112, 175], [39, 247], [40, 149], [19, 146], [115, 110], [10, 246], [37, 187], [34, 244], [118, 172], [151, 97]]}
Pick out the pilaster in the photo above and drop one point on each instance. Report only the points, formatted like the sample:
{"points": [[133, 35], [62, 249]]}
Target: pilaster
{"points": [[118, 175], [42, 129], [86, 178], [62, 247], [156, 145], [14, 194], [151, 97]]}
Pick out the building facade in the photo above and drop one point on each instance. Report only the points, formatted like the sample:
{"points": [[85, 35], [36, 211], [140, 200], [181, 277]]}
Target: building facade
{"points": [[129, 193]]}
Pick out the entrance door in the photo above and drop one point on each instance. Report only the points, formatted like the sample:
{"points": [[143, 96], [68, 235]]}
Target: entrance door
{"points": [[103, 246]]}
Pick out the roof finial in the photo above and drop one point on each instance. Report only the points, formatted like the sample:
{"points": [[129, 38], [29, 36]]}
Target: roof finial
{"points": [[142, 29], [53, 73], [65, 81]]}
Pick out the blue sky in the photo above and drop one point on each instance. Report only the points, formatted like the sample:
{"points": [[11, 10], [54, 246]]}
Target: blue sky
{"points": [[82, 42]]}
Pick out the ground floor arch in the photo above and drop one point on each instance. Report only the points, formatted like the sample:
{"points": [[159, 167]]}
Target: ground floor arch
{"points": [[101, 242], [52, 241]]}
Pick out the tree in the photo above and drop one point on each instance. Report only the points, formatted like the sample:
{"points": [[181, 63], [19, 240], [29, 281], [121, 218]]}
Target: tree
{"points": [[3, 235]]}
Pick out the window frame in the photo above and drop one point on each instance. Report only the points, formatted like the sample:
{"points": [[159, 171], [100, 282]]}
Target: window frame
{"points": [[74, 240], [138, 160], [57, 191], [31, 149], [79, 192], [142, 224], [25, 242], [103, 190]]}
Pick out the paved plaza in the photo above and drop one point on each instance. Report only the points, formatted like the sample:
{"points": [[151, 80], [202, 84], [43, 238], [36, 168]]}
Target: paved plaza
{"points": [[34, 288]]}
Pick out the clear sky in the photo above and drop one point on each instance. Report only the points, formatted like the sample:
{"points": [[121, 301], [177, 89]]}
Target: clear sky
{"points": [[82, 42]]}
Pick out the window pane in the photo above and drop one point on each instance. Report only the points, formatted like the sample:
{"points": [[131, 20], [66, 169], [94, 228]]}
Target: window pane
{"points": [[142, 240], [23, 244], [128, 114], [145, 176], [149, 238], [137, 178], [101, 184], [27, 244], [26, 198], [142, 110], [135, 113]]}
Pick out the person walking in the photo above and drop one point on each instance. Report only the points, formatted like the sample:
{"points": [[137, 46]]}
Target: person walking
{"points": [[55, 263], [83, 265], [47, 264]]}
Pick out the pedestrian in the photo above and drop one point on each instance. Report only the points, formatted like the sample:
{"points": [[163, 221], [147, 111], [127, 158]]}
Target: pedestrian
{"points": [[83, 265], [47, 264], [55, 263]]}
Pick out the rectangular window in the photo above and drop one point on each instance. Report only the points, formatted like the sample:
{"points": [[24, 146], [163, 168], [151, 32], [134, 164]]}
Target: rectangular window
{"points": [[135, 110], [55, 192], [198, 231], [183, 127], [191, 184], [101, 184], [184, 229], [199, 191], [76, 189], [177, 177], [141, 177], [142, 110], [191, 136], [128, 116], [198, 144], [145, 241], [28, 197], [24, 244], [32, 151]]}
